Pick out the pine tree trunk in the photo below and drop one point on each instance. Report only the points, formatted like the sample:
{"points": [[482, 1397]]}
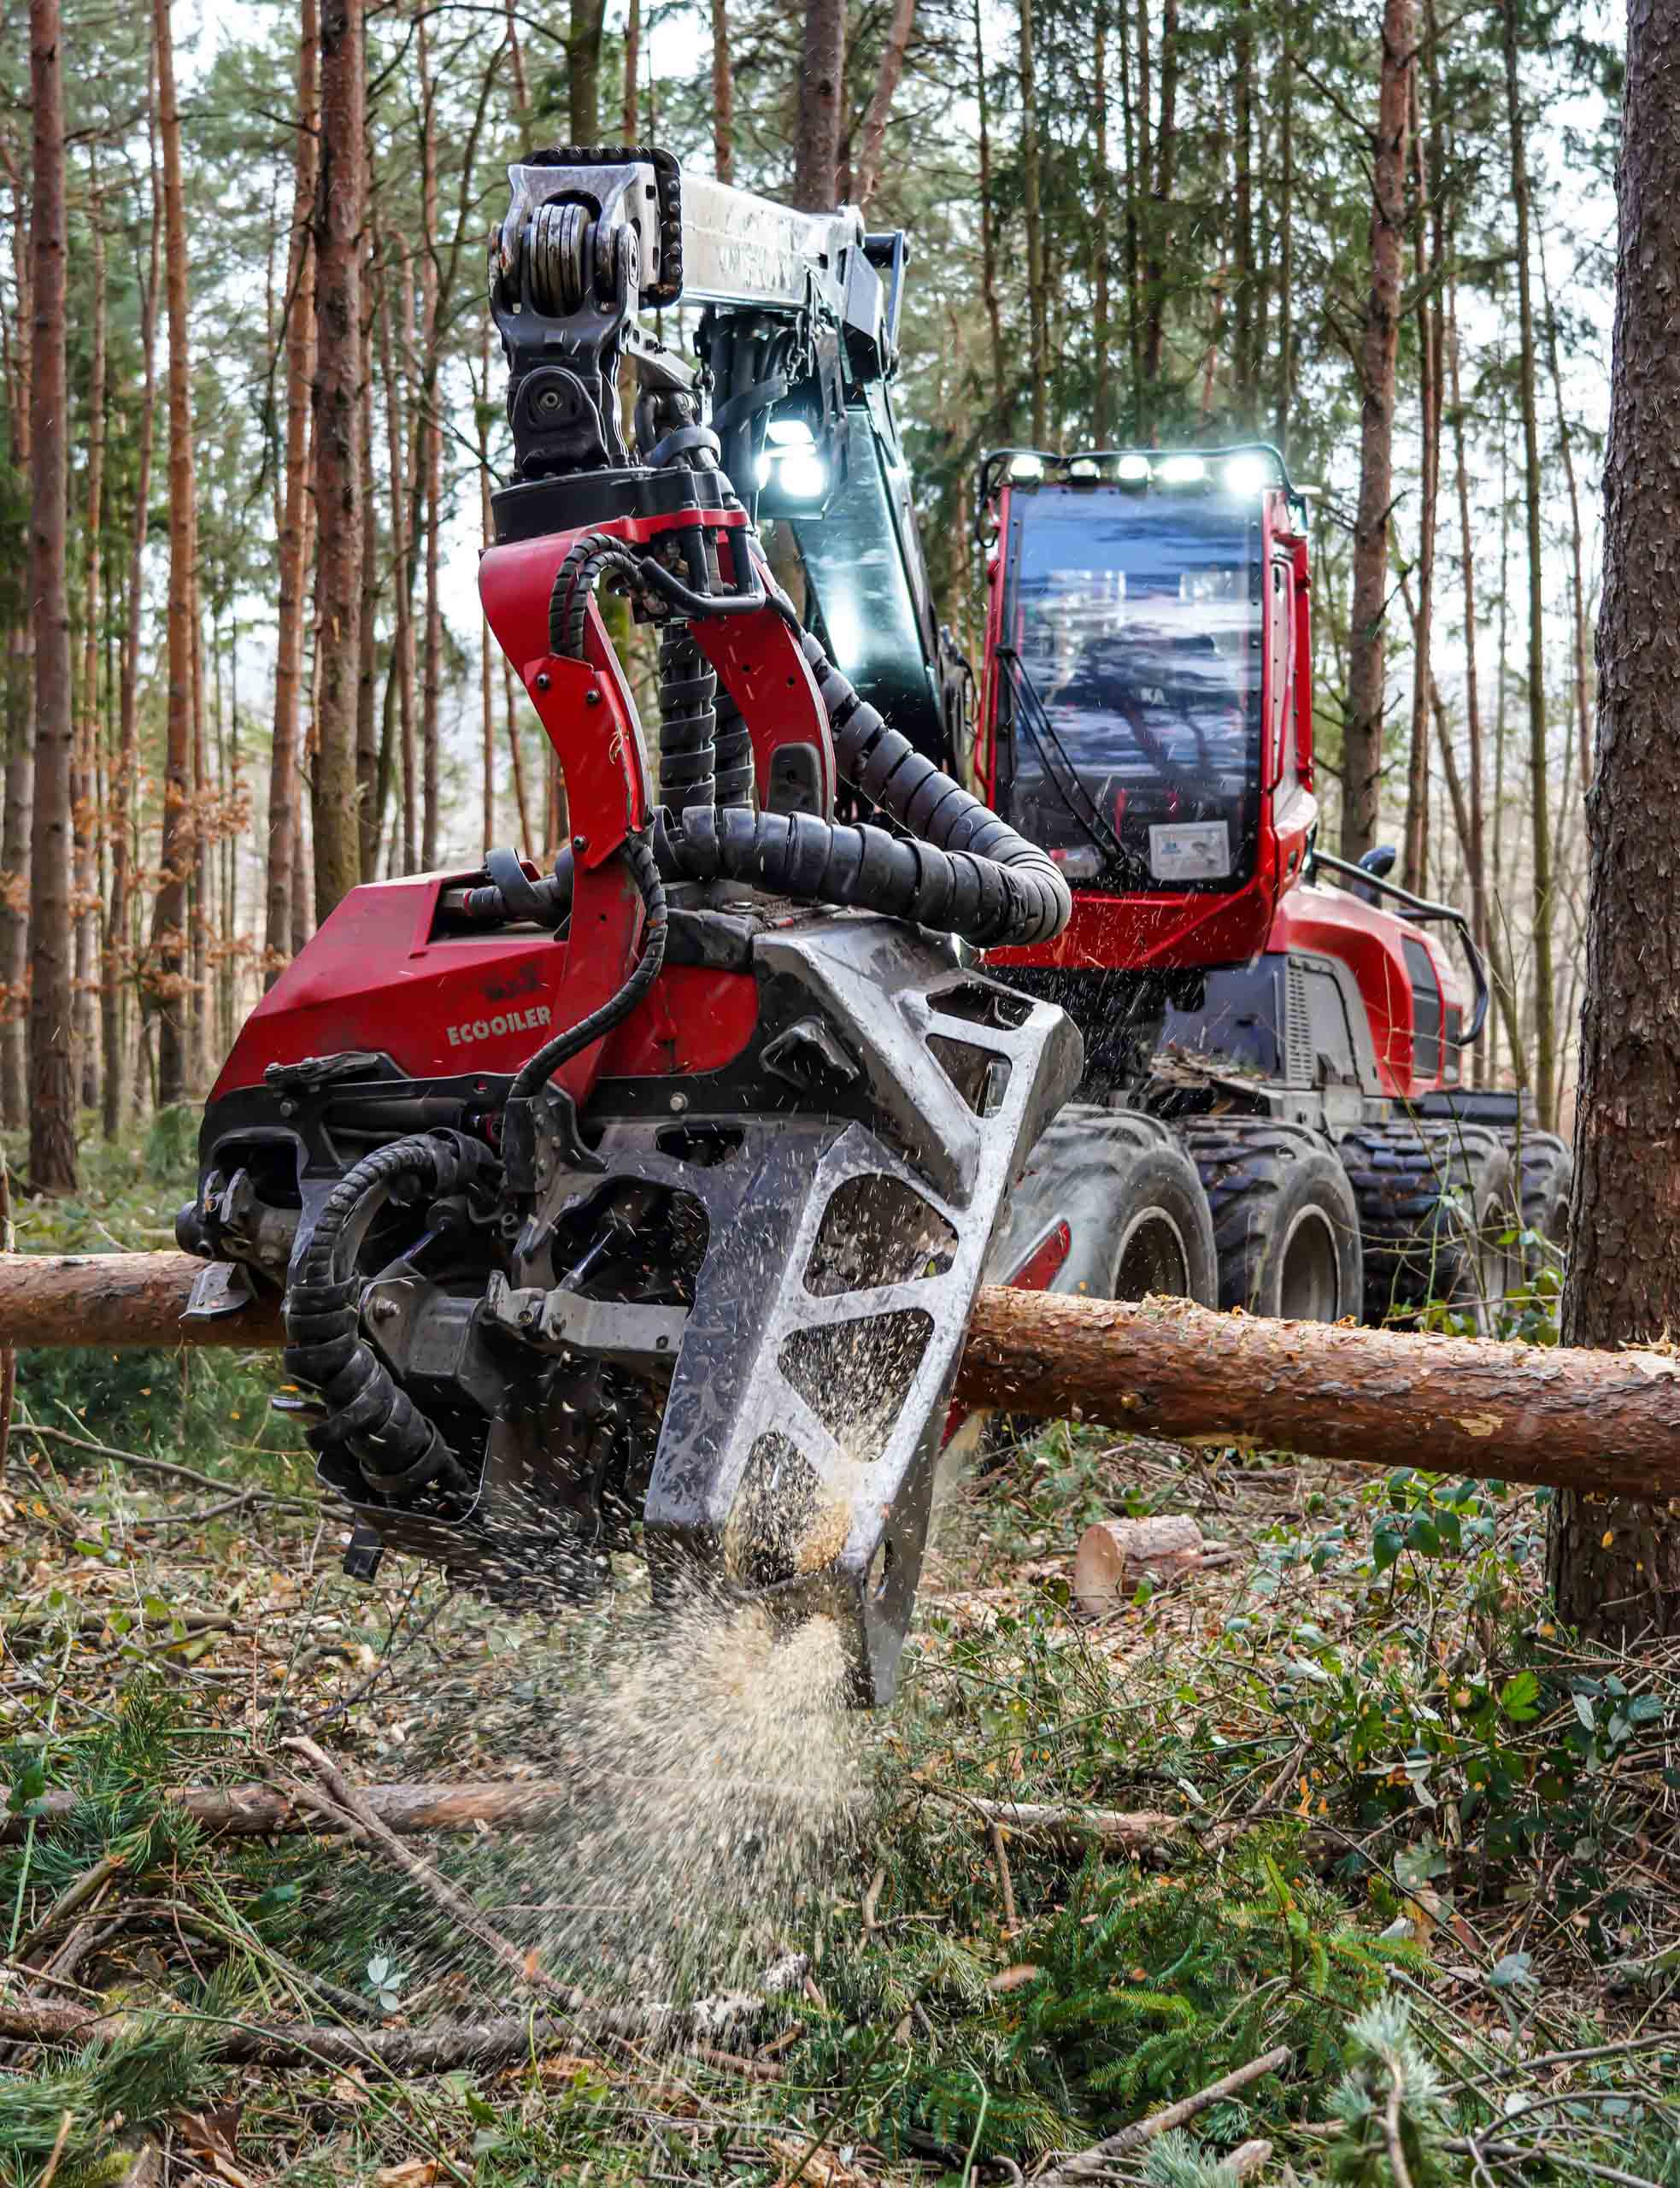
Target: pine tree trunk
{"points": [[167, 970], [822, 82], [1426, 261], [1244, 284], [723, 95], [583, 70], [1615, 1567], [20, 725], [1161, 204], [368, 809], [1545, 1035], [284, 779], [632, 61], [338, 216], [516, 757], [1037, 286], [52, 1089], [1000, 422], [1285, 396], [879, 114], [431, 430], [125, 784], [1102, 391], [1362, 734], [403, 566], [1577, 591], [86, 798]]}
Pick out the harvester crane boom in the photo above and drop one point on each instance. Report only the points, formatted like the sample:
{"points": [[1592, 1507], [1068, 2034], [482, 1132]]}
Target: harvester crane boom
{"points": [[798, 346]]}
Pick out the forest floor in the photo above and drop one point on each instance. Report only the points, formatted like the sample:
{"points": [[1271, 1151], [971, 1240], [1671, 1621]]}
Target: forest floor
{"points": [[1407, 1833]]}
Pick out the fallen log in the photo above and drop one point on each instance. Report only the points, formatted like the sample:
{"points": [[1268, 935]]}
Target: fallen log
{"points": [[1604, 1422], [435, 2050], [263, 1811]]}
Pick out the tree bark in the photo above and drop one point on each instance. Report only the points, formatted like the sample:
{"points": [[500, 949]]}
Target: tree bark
{"points": [[1362, 733], [1615, 1569], [583, 70], [1545, 1003], [989, 235], [167, 972], [284, 781], [1102, 391], [1160, 201], [19, 723], [337, 419], [1606, 1422], [632, 61], [1037, 286], [84, 775], [125, 784], [1285, 396], [1578, 593], [1428, 245], [430, 428], [52, 1089], [723, 95], [402, 643], [822, 82], [879, 112]]}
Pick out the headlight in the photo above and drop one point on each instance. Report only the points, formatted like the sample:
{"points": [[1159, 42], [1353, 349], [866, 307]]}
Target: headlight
{"points": [[803, 477], [1182, 471], [1248, 475], [1027, 470]]}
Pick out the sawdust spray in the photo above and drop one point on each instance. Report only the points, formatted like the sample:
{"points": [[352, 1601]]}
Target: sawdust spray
{"points": [[719, 1780]]}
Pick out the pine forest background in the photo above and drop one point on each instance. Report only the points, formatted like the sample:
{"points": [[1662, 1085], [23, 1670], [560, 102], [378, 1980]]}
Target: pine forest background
{"points": [[1140, 220]]}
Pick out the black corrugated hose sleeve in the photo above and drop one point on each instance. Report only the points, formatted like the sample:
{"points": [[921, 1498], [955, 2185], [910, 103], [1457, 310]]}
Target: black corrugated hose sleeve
{"points": [[398, 1450], [688, 687], [537, 1070], [734, 753], [883, 763]]}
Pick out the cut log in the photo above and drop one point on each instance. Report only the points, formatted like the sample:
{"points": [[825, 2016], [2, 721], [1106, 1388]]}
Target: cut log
{"points": [[118, 1299], [1607, 1423], [1115, 1555]]}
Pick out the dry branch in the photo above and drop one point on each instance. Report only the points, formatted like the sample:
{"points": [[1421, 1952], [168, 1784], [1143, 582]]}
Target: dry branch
{"points": [[1605, 1422], [1090, 2165]]}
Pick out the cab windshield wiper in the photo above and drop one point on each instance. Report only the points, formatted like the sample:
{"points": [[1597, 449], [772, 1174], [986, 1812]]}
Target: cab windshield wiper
{"points": [[1052, 755]]}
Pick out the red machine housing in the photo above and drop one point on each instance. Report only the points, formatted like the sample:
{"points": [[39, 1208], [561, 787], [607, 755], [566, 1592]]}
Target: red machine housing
{"points": [[391, 972]]}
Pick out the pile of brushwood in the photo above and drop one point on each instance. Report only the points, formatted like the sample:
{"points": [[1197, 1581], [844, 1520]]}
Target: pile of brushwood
{"points": [[1331, 1860]]}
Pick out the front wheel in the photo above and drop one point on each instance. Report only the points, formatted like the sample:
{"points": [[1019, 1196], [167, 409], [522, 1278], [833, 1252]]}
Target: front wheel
{"points": [[1137, 1216]]}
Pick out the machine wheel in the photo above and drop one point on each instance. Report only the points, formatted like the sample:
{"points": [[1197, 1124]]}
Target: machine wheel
{"points": [[1285, 1223], [1437, 1203], [1132, 1200], [1545, 1173]]}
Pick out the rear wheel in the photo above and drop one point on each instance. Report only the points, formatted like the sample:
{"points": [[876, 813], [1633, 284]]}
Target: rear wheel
{"points": [[1545, 1174], [1437, 1205], [1286, 1225]]}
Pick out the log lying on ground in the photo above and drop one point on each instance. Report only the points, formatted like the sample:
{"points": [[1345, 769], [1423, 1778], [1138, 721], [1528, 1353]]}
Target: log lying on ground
{"points": [[260, 1811], [1600, 1422]]}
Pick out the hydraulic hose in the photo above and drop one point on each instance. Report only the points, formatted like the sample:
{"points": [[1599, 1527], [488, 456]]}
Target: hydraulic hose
{"points": [[538, 1070], [397, 1450], [961, 869]]}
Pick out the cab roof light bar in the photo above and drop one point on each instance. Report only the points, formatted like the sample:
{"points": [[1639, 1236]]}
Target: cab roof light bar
{"points": [[1243, 467]]}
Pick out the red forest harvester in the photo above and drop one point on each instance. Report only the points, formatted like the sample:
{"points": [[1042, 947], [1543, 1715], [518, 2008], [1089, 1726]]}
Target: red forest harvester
{"points": [[654, 1194], [1271, 1115]]}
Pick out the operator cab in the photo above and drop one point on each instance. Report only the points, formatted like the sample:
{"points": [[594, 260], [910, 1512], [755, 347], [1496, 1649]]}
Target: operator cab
{"points": [[1142, 718]]}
